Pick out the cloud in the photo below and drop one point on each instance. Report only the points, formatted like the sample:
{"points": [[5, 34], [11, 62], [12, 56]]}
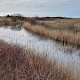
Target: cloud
{"points": [[30, 2], [40, 7]]}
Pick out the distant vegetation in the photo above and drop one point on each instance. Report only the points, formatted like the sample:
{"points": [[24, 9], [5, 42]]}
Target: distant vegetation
{"points": [[66, 30], [12, 20]]}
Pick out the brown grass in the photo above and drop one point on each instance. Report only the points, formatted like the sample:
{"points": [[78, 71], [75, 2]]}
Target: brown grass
{"points": [[10, 21], [64, 36], [19, 64], [63, 24]]}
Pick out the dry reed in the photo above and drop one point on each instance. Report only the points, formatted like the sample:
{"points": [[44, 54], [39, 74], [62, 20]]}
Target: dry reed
{"points": [[19, 64], [64, 36]]}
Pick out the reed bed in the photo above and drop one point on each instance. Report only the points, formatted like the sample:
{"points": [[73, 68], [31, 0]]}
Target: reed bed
{"points": [[67, 24], [63, 36], [17, 63]]}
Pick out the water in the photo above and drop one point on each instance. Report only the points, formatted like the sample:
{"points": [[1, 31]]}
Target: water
{"points": [[64, 54]]}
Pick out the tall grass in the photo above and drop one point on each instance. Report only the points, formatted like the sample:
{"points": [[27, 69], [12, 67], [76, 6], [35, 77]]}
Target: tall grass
{"points": [[19, 64], [64, 36], [62, 23]]}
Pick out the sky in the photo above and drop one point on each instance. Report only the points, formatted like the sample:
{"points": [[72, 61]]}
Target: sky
{"points": [[64, 8]]}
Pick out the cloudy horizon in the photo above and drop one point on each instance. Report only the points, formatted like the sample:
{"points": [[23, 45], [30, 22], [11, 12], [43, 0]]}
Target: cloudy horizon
{"points": [[65, 8]]}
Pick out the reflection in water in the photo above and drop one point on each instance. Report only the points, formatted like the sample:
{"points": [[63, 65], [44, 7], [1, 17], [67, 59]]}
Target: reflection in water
{"points": [[17, 27], [55, 50]]}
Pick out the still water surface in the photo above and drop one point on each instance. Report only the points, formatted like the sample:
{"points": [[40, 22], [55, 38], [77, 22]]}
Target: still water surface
{"points": [[64, 54]]}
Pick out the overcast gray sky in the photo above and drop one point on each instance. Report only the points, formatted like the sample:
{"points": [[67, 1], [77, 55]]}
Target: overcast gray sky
{"points": [[66, 8]]}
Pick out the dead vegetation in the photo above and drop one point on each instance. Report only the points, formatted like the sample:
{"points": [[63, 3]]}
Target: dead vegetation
{"points": [[11, 20], [64, 36], [19, 64], [72, 25]]}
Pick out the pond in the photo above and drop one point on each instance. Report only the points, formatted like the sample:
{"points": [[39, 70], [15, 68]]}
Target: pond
{"points": [[63, 53]]}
